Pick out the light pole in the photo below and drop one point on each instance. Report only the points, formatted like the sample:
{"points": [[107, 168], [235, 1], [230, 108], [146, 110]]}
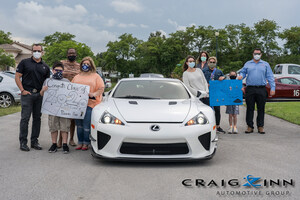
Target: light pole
{"points": [[217, 34]]}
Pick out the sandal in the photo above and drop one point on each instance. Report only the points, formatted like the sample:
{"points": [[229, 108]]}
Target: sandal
{"points": [[79, 147], [84, 148]]}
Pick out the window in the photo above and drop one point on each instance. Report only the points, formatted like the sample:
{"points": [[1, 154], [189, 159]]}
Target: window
{"points": [[293, 69], [278, 69], [151, 89], [1, 78], [289, 81]]}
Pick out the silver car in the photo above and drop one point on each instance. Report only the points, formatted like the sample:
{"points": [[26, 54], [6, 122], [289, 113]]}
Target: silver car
{"points": [[9, 91]]}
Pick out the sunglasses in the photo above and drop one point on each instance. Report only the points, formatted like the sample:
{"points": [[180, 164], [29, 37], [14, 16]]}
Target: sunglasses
{"points": [[58, 70], [37, 51], [213, 62], [256, 53]]}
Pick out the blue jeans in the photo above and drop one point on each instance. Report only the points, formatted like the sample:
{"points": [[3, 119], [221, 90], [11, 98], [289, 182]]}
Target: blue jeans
{"points": [[84, 127]]}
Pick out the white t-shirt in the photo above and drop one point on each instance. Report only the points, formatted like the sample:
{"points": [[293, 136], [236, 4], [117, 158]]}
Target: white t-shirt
{"points": [[195, 81]]}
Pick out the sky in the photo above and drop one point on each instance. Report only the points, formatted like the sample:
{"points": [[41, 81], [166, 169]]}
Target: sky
{"points": [[96, 22]]}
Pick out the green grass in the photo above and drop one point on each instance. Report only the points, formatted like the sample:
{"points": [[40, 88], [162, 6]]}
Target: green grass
{"points": [[112, 86], [10, 110], [289, 111]]}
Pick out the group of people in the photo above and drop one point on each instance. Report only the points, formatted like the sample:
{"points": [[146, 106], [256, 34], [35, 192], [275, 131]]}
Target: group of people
{"points": [[33, 72], [196, 77]]}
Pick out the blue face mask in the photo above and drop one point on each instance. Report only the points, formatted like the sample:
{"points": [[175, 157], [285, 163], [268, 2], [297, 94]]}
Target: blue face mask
{"points": [[85, 68], [192, 64], [58, 75]]}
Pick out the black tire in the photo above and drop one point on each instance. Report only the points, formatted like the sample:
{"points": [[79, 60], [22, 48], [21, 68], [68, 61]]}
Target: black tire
{"points": [[6, 100]]}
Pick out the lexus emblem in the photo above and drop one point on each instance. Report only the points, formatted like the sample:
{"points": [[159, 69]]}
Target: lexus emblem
{"points": [[155, 128]]}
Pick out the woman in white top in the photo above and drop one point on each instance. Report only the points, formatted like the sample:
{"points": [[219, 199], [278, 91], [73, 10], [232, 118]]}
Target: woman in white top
{"points": [[194, 79]]}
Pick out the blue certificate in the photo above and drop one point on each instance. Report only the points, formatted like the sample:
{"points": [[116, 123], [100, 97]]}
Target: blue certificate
{"points": [[226, 92]]}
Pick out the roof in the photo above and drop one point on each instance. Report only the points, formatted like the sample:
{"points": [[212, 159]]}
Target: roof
{"points": [[24, 45], [21, 57], [149, 78], [9, 47]]}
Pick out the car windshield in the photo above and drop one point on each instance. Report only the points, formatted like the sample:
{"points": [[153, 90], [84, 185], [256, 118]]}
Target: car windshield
{"points": [[10, 74], [151, 89]]}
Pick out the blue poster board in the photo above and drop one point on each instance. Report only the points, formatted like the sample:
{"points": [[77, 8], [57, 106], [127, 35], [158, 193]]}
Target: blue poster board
{"points": [[226, 92]]}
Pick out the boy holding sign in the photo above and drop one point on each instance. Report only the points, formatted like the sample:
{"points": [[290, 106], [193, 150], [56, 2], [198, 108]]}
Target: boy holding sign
{"points": [[58, 123]]}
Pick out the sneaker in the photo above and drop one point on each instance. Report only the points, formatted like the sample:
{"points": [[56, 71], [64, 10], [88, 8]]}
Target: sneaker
{"points": [[220, 130], [235, 131], [229, 130], [249, 130], [65, 149], [53, 148], [261, 130]]}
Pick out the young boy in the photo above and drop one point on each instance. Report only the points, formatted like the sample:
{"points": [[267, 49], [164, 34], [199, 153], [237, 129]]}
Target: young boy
{"points": [[58, 123], [232, 110]]}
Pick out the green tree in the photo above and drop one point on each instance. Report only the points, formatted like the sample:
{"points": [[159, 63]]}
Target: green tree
{"points": [[5, 37], [267, 32], [6, 60], [58, 51], [57, 37], [292, 37]]}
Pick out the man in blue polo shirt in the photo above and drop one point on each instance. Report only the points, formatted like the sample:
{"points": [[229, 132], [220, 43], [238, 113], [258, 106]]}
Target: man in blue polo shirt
{"points": [[258, 72]]}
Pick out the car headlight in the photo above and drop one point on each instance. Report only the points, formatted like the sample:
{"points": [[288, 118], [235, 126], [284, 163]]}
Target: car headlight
{"points": [[108, 118], [198, 119]]}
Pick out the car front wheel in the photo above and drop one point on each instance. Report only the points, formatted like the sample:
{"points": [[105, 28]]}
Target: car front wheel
{"points": [[6, 100]]}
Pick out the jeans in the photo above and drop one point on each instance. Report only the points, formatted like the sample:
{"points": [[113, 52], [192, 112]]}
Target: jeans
{"points": [[30, 104], [84, 127]]}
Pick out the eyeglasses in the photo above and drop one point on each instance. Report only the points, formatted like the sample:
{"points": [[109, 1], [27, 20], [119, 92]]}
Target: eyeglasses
{"points": [[58, 70], [213, 62], [37, 51], [256, 53], [191, 61]]}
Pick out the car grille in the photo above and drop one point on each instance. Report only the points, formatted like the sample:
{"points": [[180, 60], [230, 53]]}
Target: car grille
{"points": [[154, 149], [102, 139], [205, 140]]}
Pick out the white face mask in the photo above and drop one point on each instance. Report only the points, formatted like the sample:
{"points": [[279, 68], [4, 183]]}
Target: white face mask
{"points": [[256, 57], [37, 55]]}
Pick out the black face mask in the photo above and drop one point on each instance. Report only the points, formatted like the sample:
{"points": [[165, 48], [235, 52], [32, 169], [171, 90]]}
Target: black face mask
{"points": [[232, 77], [71, 58], [57, 76]]}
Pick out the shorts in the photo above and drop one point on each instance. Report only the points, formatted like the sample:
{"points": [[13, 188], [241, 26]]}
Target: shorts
{"points": [[233, 109], [58, 124]]}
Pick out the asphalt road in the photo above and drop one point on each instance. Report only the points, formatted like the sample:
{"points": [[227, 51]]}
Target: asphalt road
{"points": [[37, 175]]}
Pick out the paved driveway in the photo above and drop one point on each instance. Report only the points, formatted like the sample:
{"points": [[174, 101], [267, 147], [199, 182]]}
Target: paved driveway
{"points": [[37, 175]]}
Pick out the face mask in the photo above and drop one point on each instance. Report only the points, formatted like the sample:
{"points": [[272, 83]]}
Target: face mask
{"points": [[192, 64], [211, 65], [257, 57], [85, 68], [71, 58], [233, 77], [203, 59], [37, 55], [57, 75]]}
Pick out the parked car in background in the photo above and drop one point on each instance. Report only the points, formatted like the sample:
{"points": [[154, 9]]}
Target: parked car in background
{"points": [[286, 87], [153, 119], [287, 70], [9, 91], [151, 75], [108, 83]]}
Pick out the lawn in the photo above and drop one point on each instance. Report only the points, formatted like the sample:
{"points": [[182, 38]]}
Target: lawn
{"points": [[10, 110], [289, 111]]}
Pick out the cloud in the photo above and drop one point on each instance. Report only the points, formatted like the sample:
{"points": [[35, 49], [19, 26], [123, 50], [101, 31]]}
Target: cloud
{"points": [[125, 6], [144, 26], [178, 27], [122, 25], [34, 20]]}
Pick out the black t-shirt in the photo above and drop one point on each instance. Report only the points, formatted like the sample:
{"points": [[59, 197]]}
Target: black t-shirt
{"points": [[33, 74]]}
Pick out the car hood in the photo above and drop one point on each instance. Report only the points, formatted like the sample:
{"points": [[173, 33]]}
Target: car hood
{"points": [[153, 110]]}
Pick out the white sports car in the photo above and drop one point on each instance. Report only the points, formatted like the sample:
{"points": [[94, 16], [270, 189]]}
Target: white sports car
{"points": [[152, 119]]}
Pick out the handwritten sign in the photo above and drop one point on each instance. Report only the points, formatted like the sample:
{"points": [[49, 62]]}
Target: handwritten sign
{"points": [[226, 92], [65, 99]]}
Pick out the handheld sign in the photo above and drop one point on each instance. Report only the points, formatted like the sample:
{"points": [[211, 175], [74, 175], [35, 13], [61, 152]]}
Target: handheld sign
{"points": [[226, 92], [65, 99]]}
